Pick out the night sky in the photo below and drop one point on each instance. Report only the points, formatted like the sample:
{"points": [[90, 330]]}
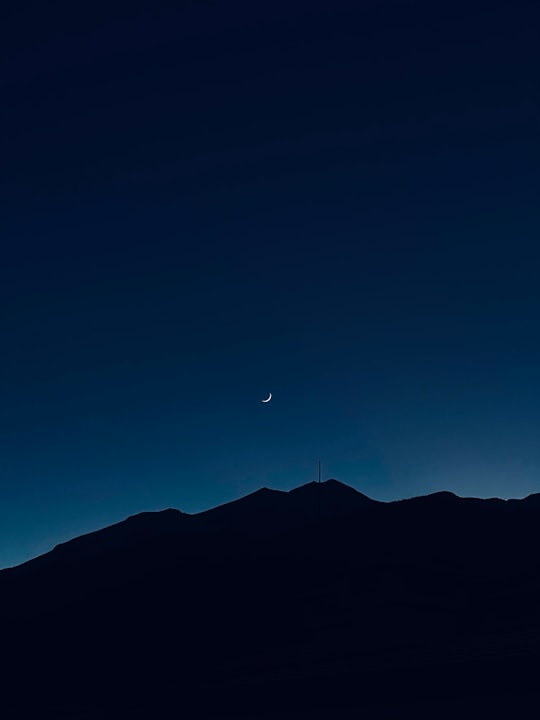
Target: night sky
{"points": [[204, 202]]}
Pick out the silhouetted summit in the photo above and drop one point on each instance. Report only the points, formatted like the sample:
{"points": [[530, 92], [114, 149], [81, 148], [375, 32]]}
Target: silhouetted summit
{"points": [[299, 602], [273, 511], [344, 497]]}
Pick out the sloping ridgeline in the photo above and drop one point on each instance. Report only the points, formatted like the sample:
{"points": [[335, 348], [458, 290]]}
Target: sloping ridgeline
{"points": [[318, 602]]}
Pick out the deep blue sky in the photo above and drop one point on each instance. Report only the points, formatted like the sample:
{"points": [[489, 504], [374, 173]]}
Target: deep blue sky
{"points": [[204, 202]]}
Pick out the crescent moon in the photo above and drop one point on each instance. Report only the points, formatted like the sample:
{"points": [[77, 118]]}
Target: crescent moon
{"points": [[268, 398]]}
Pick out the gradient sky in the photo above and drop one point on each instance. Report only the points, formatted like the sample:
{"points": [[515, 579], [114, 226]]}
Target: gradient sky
{"points": [[204, 202]]}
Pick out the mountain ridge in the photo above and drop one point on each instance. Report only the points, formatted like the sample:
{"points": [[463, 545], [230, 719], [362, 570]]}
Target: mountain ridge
{"points": [[228, 608], [259, 511]]}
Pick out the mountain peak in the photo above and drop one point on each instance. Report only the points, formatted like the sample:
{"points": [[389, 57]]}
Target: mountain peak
{"points": [[331, 488]]}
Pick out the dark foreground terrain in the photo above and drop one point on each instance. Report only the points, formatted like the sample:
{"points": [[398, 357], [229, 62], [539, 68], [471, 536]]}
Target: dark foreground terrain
{"points": [[317, 603]]}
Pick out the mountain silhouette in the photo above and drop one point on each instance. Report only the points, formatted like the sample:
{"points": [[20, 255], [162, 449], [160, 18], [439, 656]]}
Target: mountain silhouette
{"points": [[263, 512], [317, 602]]}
